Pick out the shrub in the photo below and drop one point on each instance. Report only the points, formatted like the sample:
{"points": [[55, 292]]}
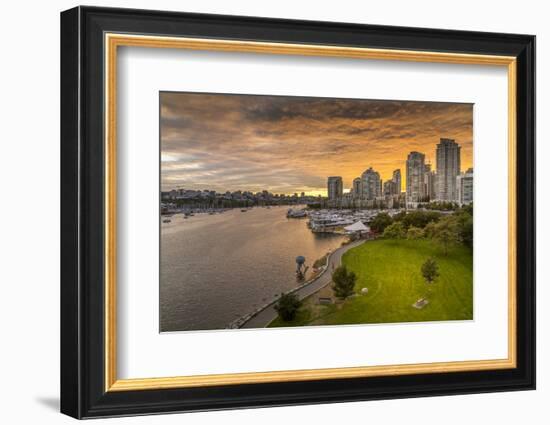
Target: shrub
{"points": [[287, 307], [320, 262]]}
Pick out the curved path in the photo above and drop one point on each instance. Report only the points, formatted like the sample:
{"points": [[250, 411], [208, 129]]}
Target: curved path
{"points": [[268, 313]]}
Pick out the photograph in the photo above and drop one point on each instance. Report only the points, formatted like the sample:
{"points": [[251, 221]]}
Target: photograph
{"points": [[286, 211]]}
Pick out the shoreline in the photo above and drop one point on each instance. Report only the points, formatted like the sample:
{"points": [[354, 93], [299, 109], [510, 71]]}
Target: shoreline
{"points": [[265, 314], [264, 239]]}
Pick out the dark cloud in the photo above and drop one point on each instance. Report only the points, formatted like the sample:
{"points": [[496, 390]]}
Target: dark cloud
{"points": [[290, 144]]}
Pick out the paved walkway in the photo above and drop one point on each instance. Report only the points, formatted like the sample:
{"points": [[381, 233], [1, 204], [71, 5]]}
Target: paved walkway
{"points": [[268, 314]]}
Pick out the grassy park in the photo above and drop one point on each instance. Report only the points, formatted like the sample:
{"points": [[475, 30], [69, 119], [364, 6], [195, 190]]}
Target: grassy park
{"points": [[390, 269]]}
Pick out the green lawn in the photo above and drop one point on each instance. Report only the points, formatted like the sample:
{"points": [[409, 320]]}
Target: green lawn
{"points": [[390, 269]]}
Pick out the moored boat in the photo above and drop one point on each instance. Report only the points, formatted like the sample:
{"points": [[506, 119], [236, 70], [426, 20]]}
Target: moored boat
{"points": [[292, 213]]}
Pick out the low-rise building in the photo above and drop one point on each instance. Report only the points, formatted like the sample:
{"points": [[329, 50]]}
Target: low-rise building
{"points": [[465, 187]]}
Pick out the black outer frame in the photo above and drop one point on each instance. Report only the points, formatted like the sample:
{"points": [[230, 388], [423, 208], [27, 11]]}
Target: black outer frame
{"points": [[82, 204]]}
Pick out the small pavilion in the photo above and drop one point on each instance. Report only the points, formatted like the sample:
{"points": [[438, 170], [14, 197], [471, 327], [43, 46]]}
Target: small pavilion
{"points": [[357, 227]]}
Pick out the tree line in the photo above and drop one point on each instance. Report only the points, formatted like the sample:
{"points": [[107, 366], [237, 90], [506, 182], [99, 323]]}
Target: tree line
{"points": [[445, 229]]}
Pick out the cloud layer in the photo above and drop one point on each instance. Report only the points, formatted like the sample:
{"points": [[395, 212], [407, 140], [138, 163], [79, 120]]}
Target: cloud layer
{"points": [[290, 144]]}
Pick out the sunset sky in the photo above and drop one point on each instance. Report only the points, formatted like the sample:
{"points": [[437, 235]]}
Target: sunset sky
{"points": [[290, 144]]}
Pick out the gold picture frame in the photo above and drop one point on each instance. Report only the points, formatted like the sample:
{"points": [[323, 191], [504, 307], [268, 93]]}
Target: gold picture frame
{"points": [[113, 41]]}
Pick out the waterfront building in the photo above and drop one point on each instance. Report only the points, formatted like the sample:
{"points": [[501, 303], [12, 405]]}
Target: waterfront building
{"points": [[465, 187], [401, 200], [415, 178], [396, 177], [448, 168], [429, 182], [335, 187], [357, 188], [371, 184], [390, 188]]}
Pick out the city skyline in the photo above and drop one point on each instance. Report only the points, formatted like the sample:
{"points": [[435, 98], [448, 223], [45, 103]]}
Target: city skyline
{"points": [[291, 144], [446, 184]]}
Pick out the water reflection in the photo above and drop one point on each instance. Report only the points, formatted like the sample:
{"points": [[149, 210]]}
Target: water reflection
{"points": [[215, 268]]}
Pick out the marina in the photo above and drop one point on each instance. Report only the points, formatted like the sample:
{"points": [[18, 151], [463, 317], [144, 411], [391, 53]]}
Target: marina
{"points": [[336, 221]]}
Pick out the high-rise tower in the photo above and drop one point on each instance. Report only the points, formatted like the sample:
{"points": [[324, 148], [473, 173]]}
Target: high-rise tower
{"points": [[396, 177], [335, 187], [415, 177], [371, 184], [448, 168]]}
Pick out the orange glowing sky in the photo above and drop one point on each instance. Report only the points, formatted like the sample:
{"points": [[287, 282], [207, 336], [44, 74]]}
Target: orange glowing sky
{"points": [[288, 144]]}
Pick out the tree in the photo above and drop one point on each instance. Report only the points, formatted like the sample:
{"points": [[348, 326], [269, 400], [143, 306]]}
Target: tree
{"points": [[287, 306], [344, 282], [469, 208], [465, 225], [466, 229], [395, 231], [419, 218], [400, 216], [320, 262], [442, 206], [414, 233], [429, 230], [380, 222], [445, 232], [430, 270]]}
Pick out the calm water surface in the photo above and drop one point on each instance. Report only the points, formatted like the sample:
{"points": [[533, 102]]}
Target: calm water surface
{"points": [[216, 268]]}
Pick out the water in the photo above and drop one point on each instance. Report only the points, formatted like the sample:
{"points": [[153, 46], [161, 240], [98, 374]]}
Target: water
{"points": [[216, 268]]}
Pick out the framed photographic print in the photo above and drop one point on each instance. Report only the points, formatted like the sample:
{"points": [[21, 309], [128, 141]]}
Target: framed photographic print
{"points": [[261, 212]]}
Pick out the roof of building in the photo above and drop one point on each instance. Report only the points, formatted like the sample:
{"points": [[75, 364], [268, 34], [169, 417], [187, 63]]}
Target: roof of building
{"points": [[358, 226]]}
